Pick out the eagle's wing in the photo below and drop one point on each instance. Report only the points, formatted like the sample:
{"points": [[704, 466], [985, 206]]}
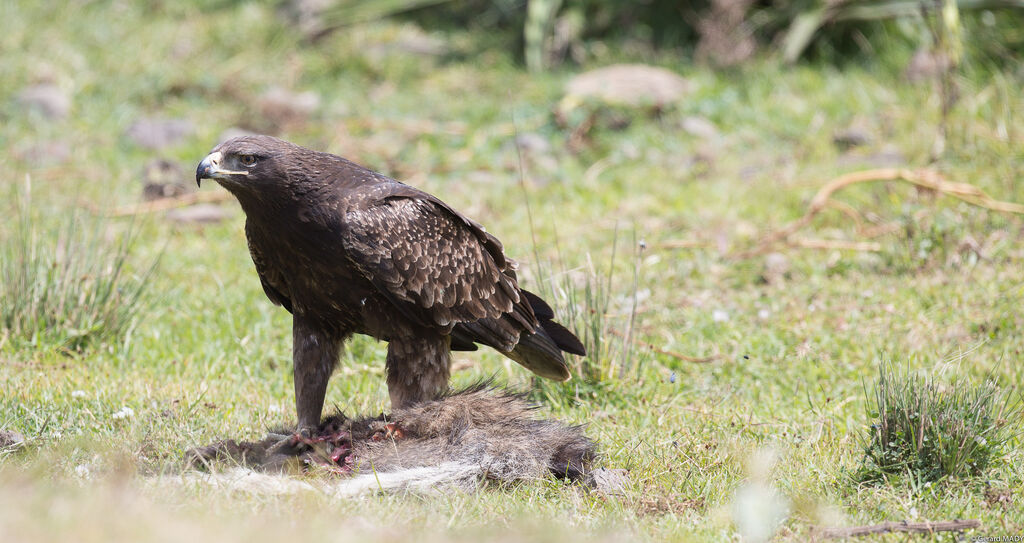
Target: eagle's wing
{"points": [[436, 266], [273, 284]]}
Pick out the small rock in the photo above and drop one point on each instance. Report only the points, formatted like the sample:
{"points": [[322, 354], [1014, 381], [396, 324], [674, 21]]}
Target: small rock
{"points": [[926, 65], [307, 15], [282, 106], [888, 157], [46, 153], [233, 132], [9, 440], [776, 268], [636, 85], [411, 40], [164, 179], [421, 43], [531, 142], [610, 482], [46, 98], [155, 133], [726, 37], [851, 137], [700, 127], [198, 214]]}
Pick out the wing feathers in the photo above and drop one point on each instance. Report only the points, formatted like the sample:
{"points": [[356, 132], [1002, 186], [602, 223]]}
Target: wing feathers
{"points": [[445, 271], [421, 252]]}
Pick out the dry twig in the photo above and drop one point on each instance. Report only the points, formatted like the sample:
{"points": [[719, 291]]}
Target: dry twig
{"points": [[830, 244], [925, 178], [164, 204], [685, 244], [909, 527]]}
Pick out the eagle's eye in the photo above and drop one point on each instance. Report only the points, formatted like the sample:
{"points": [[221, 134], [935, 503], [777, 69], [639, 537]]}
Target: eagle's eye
{"points": [[247, 160]]}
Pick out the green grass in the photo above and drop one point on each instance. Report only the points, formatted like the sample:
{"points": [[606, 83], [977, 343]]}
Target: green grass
{"points": [[929, 430], [65, 285], [209, 357]]}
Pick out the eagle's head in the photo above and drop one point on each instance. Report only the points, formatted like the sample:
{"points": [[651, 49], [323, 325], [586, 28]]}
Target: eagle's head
{"points": [[247, 163]]}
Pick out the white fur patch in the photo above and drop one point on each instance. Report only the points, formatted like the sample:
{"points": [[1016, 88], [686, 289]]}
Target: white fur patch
{"points": [[417, 480]]}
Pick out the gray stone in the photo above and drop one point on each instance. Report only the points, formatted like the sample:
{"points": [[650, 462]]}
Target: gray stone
{"points": [[280, 105], [530, 142], [46, 98], [700, 127], [163, 178], [233, 132], [411, 40], [156, 133], [888, 157], [926, 65], [635, 85], [610, 482], [44, 153], [854, 136], [776, 268], [306, 15], [199, 214]]}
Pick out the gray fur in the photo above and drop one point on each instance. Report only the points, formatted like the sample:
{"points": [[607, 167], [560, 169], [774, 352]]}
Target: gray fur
{"points": [[461, 439]]}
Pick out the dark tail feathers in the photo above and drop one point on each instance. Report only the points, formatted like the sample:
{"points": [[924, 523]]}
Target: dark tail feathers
{"points": [[541, 351], [560, 335]]}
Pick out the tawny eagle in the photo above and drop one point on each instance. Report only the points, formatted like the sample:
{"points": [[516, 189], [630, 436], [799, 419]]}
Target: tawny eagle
{"points": [[347, 250]]}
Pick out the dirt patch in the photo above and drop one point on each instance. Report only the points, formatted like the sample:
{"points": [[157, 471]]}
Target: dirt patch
{"points": [[998, 497], [662, 505]]}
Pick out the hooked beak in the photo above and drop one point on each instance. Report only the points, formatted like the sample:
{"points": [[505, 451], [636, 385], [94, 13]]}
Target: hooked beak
{"points": [[210, 168]]}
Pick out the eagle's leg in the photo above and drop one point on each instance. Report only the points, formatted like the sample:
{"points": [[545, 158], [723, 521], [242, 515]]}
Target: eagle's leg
{"points": [[418, 367], [314, 354]]}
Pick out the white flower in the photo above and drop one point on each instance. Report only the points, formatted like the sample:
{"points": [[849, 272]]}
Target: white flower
{"points": [[719, 315], [83, 471], [78, 394], [274, 408], [124, 413], [758, 511]]}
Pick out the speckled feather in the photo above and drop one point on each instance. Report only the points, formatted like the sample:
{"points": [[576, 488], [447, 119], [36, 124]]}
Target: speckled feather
{"points": [[436, 266]]}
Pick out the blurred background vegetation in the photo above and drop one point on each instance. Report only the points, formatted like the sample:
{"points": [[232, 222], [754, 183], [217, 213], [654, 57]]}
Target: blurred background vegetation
{"points": [[548, 33], [130, 335]]}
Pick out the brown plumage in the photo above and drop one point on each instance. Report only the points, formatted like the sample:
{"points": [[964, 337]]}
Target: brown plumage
{"points": [[348, 250]]}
